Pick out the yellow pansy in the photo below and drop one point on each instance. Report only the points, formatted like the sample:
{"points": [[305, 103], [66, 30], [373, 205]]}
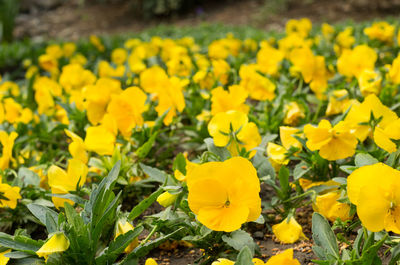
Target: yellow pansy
{"points": [[277, 155], [328, 205], [171, 99], [344, 40], [284, 258], [58, 242], [288, 231], [327, 31], [150, 261], [374, 190], [233, 99], [354, 62], [369, 82], [127, 108], [7, 141], [69, 49], [233, 128], [293, 113], [62, 182], [11, 193], [301, 27], [3, 259], [382, 31], [333, 143], [166, 199], [119, 55], [269, 60], [258, 86], [339, 102], [77, 147], [394, 71], [385, 130], [97, 43], [224, 195], [100, 140], [122, 227], [286, 135], [75, 77]]}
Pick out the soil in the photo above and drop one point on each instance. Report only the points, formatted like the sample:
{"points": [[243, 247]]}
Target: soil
{"points": [[72, 20]]}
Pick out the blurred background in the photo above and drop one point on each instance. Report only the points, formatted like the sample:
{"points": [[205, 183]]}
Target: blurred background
{"points": [[74, 19]]}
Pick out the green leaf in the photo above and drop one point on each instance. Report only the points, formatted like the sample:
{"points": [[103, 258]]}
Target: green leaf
{"points": [[28, 177], [20, 243], [142, 151], [284, 181], [46, 216], [263, 166], [244, 257], [155, 175], [117, 246], [395, 255], [239, 239], [221, 152], [180, 163], [300, 170], [324, 237], [144, 204], [143, 250], [363, 159]]}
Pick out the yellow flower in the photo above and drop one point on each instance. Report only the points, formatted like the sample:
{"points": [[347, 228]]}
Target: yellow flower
{"points": [[3, 259], [374, 190], [327, 31], [127, 109], [119, 55], [354, 62], [394, 71], [75, 77], [12, 195], [122, 227], [301, 27], [293, 113], [328, 205], [312, 68], [224, 195], [234, 99], [48, 62], [222, 48], [277, 155], [12, 110], [77, 147], [369, 82], [339, 102], [150, 261], [58, 242], [286, 135], [7, 140], [106, 70], [100, 140], [233, 128], [62, 182], [221, 70], [269, 60], [97, 43], [284, 258], [166, 199], [333, 143], [223, 262], [386, 129], [171, 98], [288, 231], [345, 40], [153, 79], [69, 49], [382, 31], [258, 86]]}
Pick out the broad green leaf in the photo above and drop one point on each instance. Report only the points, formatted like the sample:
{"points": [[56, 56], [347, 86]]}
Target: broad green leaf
{"points": [[144, 204], [363, 159], [324, 237], [239, 239], [221, 152], [244, 257]]}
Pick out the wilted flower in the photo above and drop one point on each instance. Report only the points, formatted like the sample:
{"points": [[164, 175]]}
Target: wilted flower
{"points": [[58, 242], [288, 231]]}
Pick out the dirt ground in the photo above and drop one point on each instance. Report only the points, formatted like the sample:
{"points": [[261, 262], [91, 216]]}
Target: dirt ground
{"points": [[71, 21]]}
